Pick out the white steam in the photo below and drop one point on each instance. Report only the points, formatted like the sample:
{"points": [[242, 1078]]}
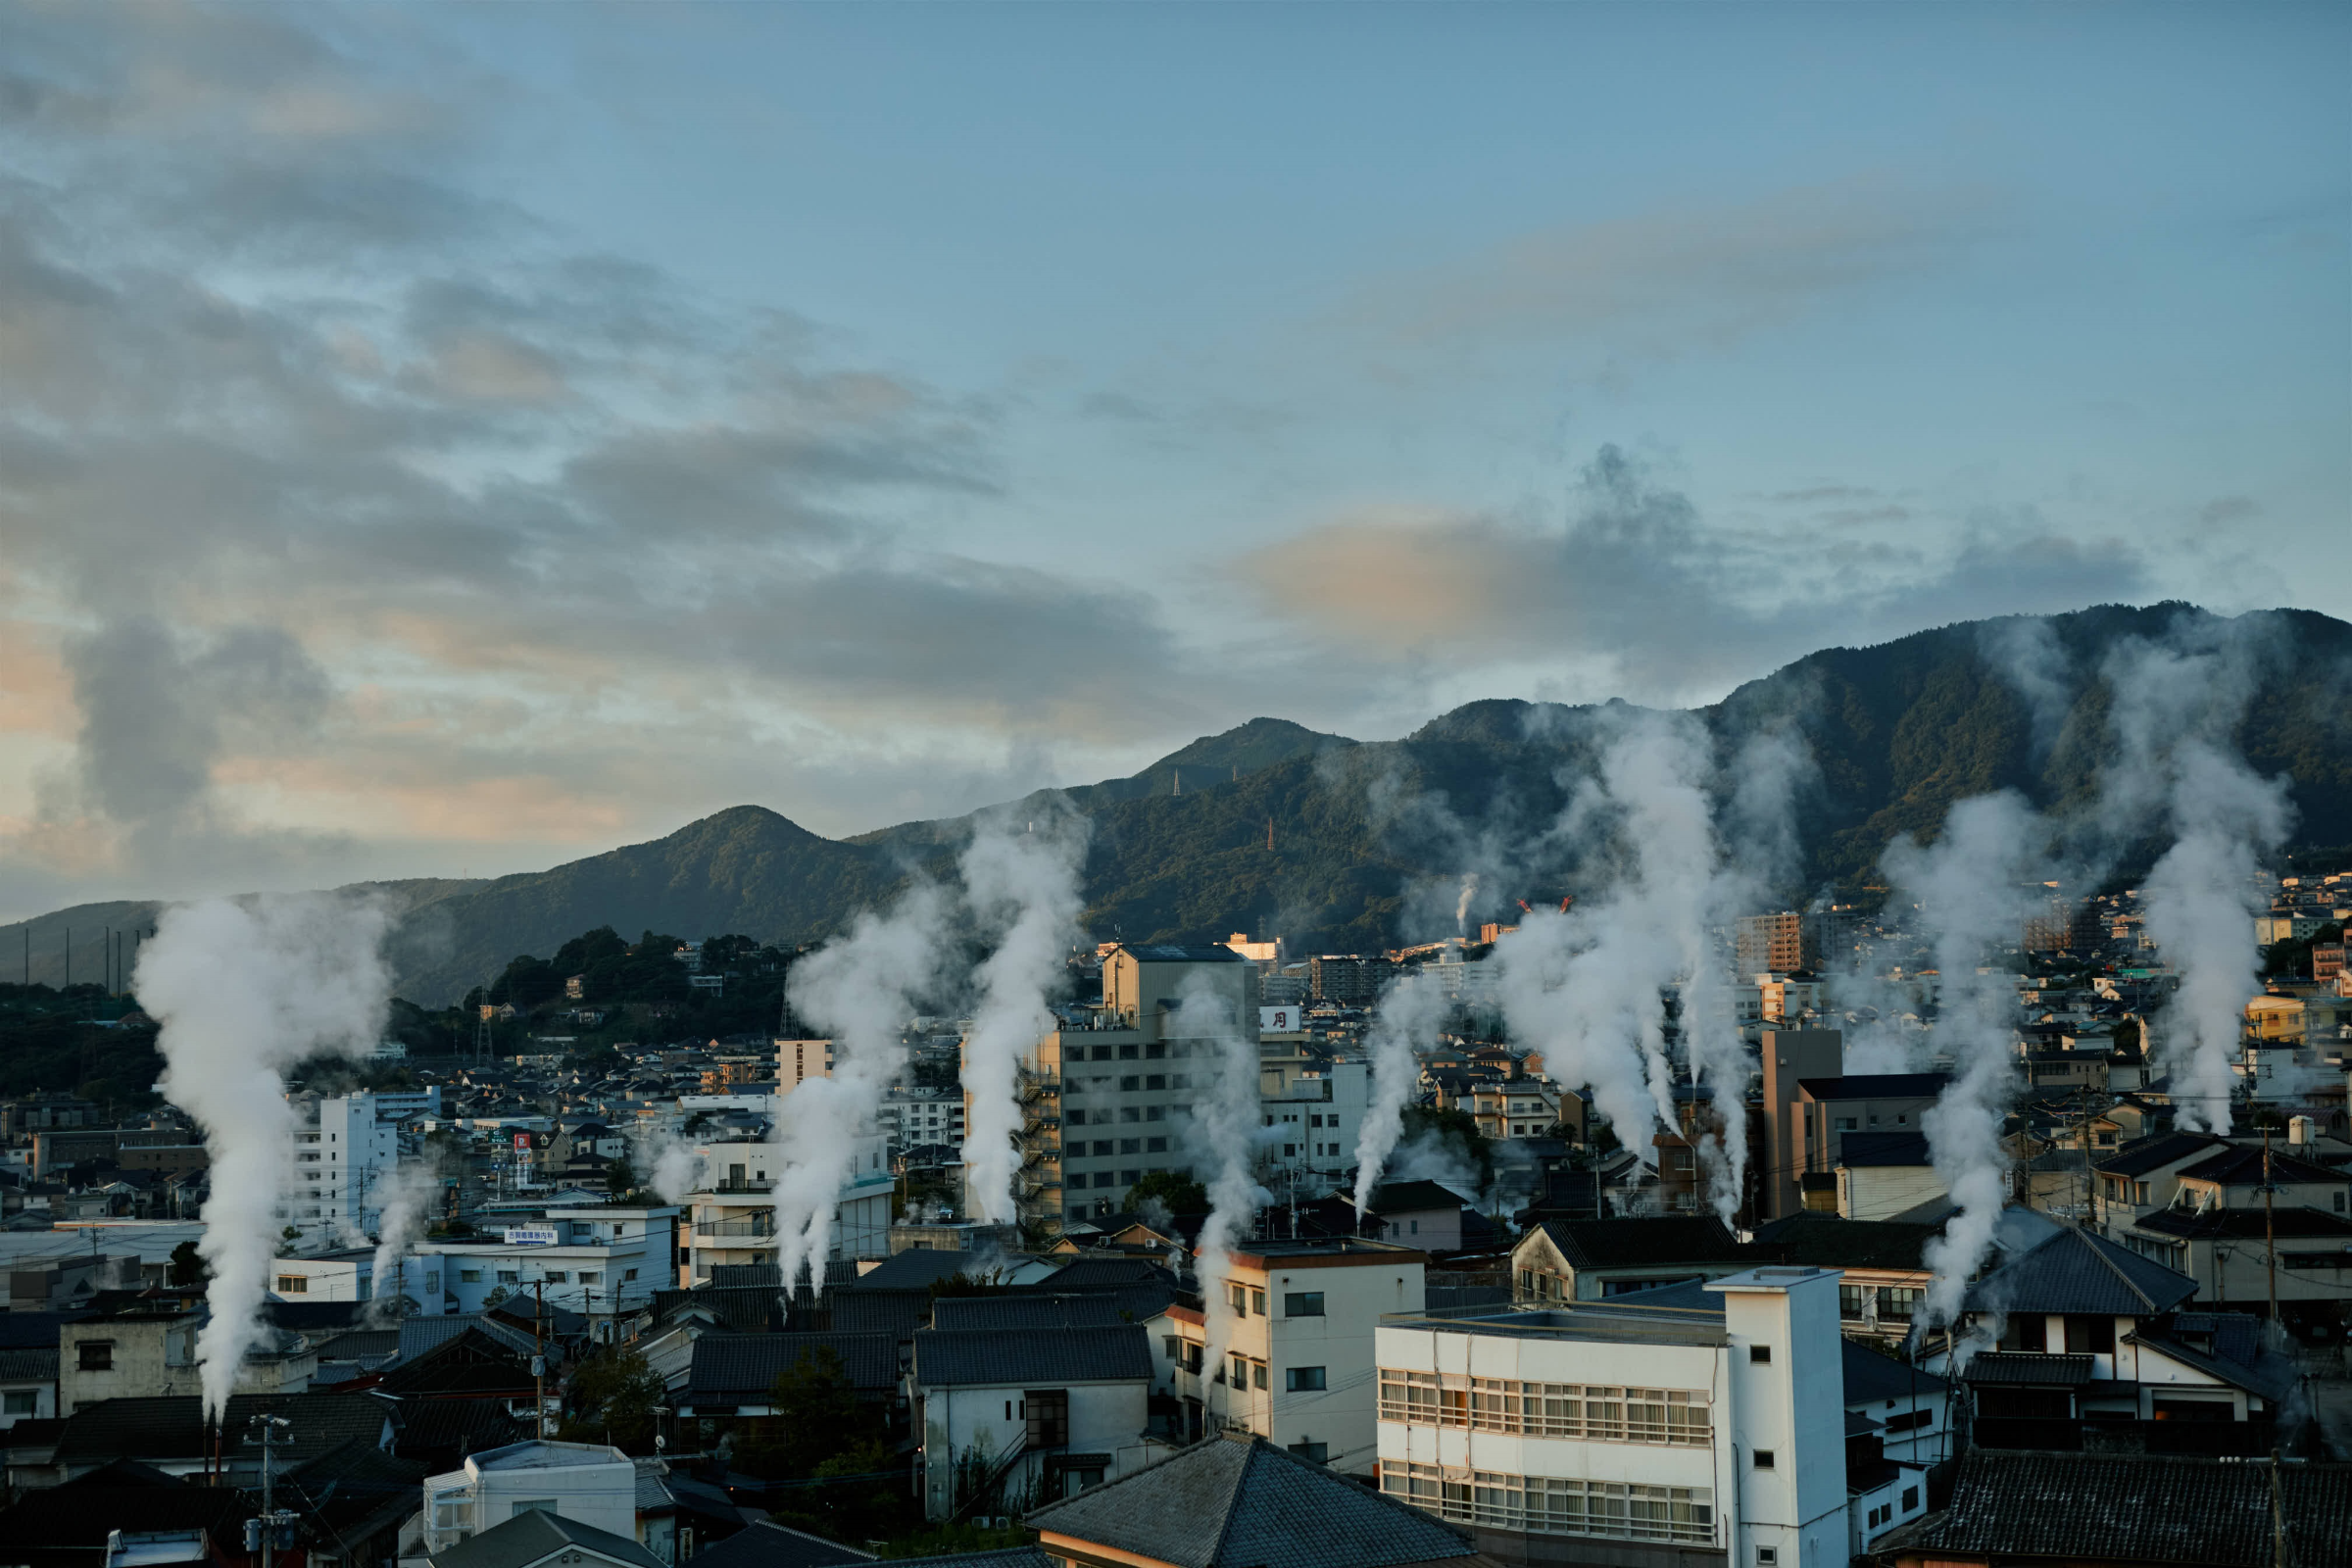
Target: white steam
{"points": [[1025, 887], [1406, 1020], [1462, 905], [862, 990], [406, 1196], [244, 992], [666, 1160], [1226, 1120], [1969, 886], [2176, 708]]}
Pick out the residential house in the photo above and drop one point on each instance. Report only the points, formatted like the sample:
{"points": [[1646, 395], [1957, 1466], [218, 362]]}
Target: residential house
{"points": [[543, 1537], [1588, 1259], [581, 1483], [1031, 1416], [1885, 1174], [1419, 1213]]}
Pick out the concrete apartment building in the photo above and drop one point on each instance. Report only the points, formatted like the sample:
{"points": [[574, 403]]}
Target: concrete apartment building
{"points": [[1824, 1110], [1317, 1109], [1637, 1436], [734, 1206], [338, 1162], [1105, 1096], [587, 1483], [598, 1261], [1303, 1319]]}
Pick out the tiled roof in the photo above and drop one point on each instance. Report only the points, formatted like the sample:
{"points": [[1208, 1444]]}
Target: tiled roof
{"points": [[2272, 1377], [354, 1491], [28, 1367], [1001, 1312], [2029, 1368], [1824, 1240], [1413, 1197], [1105, 1274], [2299, 1221], [1865, 1149], [916, 1266], [2141, 1509], [419, 1334], [448, 1428], [1233, 1503], [171, 1426], [537, 1535], [2077, 1272], [2238, 1164], [742, 1367], [1872, 1378], [946, 1359], [1010, 1558], [1657, 1238], [2145, 1155], [1876, 1085], [122, 1496], [764, 1543], [897, 1314], [741, 1310]]}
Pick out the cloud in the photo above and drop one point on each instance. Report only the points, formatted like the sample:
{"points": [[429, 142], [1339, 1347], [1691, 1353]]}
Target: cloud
{"points": [[1662, 282], [1636, 580]]}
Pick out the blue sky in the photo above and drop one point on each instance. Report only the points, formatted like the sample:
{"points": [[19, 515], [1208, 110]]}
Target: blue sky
{"points": [[515, 430]]}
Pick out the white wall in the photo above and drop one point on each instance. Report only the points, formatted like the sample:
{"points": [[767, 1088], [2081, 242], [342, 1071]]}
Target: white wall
{"points": [[1791, 1407], [1341, 1416], [600, 1489], [1104, 1418]]}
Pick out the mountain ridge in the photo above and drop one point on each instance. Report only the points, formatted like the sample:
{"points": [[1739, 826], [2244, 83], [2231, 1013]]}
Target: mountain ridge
{"points": [[1370, 839]]}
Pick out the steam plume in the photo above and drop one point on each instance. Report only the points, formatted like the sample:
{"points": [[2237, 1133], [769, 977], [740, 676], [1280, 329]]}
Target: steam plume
{"points": [[1408, 1019], [1025, 885], [1226, 1117], [244, 992], [862, 989], [1462, 906], [405, 1197], [1968, 885]]}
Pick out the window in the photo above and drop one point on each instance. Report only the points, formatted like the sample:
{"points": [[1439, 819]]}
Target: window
{"points": [[590, 1276], [1155, 1050], [1555, 1505], [1759, 1354], [1845, 1124], [1910, 1499], [524, 1505], [1854, 1301], [1303, 1380], [1128, 1053], [293, 1285], [1128, 1178], [1158, 1080], [1155, 1113], [1258, 1372], [1257, 1302], [20, 1402], [469, 1276], [97, 1355], [630, 1275], [1130, 1084], [509, 1276], [1302, 1304], [1766, 1556], [1129, 1114], [1238, 1297], [1131, 1145], [1764, 1458], [1318, 1453], [1155, 1145], [1101, 1053], [1077, 1116]]}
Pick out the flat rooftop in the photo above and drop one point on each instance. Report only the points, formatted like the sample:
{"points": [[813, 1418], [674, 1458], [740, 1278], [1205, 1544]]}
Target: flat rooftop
{"points": [[1324, 1246], [1576, 1320]]}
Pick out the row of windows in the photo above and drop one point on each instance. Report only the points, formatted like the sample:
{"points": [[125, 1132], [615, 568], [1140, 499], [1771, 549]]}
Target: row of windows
{"points": [[1247, 1301], [1896, 1302], [1552, 1505], [1129, 1114], [1155, 1050], [1546, 1409], [1124, 1146]]}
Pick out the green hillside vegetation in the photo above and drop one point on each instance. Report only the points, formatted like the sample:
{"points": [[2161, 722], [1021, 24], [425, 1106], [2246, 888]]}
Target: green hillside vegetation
{"points": [[1370, 840]]}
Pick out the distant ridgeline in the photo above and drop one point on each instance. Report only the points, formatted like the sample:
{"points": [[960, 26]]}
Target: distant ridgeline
{"points": [[1342, 846]]}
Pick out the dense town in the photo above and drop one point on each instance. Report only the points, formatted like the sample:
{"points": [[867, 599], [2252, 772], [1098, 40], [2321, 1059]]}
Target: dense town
{"points": [[526, 1299]]}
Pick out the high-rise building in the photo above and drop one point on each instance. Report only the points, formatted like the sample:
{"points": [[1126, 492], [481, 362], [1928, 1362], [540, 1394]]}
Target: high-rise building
{"points": [[338, 1164], [1105, 1096]]}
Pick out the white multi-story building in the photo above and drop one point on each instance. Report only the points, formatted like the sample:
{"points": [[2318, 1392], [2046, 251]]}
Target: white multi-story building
{"points": [[601, 1262], [912, 1117], [1315, 1109], [1300, 1319], [1636, 1435], [338, 1164], [587, 1483], [734, 1207]]}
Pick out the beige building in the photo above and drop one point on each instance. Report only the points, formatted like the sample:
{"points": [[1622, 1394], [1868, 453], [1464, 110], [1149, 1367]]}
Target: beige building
{"points": [[1106, 1098]]}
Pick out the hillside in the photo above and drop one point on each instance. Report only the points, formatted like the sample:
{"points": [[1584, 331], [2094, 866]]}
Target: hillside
{"points": [[1370, 840]]}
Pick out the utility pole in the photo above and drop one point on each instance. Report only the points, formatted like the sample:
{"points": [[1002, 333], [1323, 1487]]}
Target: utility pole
{"points": [[261, 1534], [539, 1359], [2270, 1237]]}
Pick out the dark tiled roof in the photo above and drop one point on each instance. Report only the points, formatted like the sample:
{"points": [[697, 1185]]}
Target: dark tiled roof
{"points": [[2145, 1155], [765, 1543], [25, 1331], [171, 1426], [1865, 1149], [2271, 1377], [1010, 1558], [315, 1317], [2075, 1271], [1002, 1313], [2248, 1222], [740, 1310], [1824, 1240], [122, 1496], [419, 1334], [1105, 1274], [946, 1359], [354, 1490], [1175, 953], [898, 1314], [2141, 1511], [1231, 1502], [742, 1367], [914, 1267], [2033, 1368], [1413, 1197], [431, 1429], [536, 1535], [27, 1366], [1871, 1378], [1876, 1085], [1659, 1239], [2238, 1164]]}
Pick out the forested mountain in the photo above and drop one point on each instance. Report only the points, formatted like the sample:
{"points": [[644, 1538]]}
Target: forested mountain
{"points": [[1370, 841]]}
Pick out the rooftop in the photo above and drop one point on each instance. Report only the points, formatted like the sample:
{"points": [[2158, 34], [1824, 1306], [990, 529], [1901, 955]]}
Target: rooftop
{"points": [[547, 1455], [1876, 1085], [1580, 1320]]}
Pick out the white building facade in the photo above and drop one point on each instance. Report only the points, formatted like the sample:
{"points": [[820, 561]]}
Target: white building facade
{"points": [[1630, 1434], [599, 1262]]}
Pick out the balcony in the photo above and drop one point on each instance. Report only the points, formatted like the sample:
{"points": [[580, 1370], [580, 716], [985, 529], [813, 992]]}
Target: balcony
{"points": [[736, 1232], [738, 1185]]}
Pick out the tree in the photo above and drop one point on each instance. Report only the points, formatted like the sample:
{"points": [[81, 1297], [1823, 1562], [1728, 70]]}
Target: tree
{"points": [[616, 1398], [186, 1267], [620, 1178], [818, 1415], [1179, 1191]]}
